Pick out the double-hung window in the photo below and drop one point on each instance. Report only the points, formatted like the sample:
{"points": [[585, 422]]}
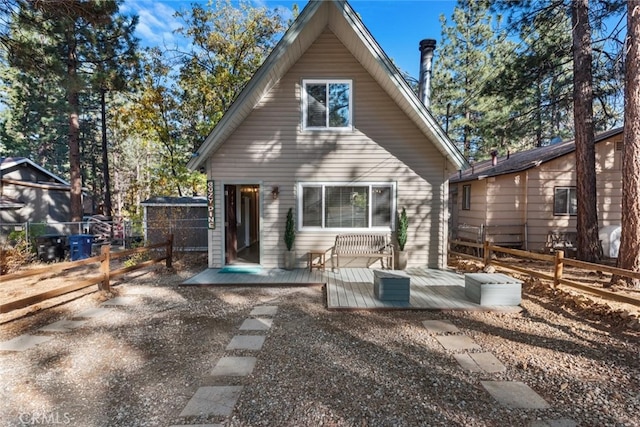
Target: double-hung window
{"points": [[326, 104], [565, 201], [342, 206]]}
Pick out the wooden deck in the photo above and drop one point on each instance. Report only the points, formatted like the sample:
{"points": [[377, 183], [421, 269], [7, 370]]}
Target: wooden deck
{"points": [[352, 288]]}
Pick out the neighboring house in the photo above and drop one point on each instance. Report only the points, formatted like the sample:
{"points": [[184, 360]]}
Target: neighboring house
{"points": [[327, 126], [533, 193], [28, 192], [184, 217]]}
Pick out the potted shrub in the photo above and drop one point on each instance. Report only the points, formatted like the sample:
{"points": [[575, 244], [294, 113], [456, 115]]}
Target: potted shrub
{"points": [[289, 238], [403, 225]]}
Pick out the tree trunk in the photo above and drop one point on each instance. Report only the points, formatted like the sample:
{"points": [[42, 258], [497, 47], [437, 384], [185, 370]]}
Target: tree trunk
{"points": [[105, 157], [629, 253], [587, 214], [74, 126]]}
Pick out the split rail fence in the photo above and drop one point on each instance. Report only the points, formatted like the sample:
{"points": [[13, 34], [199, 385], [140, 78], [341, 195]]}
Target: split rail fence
{"points": [[102, 278], [557, 261]]}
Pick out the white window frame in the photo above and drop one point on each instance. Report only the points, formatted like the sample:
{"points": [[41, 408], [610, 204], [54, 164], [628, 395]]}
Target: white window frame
{"points": [[305, 104], [325, 184], [569, 190]]}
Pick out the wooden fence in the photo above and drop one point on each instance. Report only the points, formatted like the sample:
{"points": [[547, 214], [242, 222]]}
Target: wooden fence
{"points": [[557, 262], [102, 278]]}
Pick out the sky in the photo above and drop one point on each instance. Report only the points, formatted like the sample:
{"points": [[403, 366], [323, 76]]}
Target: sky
{"points": [[397, 25]]}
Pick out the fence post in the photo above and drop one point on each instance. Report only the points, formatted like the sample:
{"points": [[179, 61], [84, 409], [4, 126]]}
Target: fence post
{"points": [[105, 263], [169, 251], [559, 265], [487, 253]]}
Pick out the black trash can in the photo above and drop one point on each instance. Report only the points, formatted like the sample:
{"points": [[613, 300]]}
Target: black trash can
{"points": [[51, 247], [80, 246]]}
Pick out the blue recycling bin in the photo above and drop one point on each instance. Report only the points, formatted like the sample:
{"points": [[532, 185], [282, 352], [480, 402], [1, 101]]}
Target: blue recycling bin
{"points": [[80, 246]]}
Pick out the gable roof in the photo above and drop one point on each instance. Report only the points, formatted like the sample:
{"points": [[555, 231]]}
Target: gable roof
{"points": [[9, 162], [342, 20], [521, 161], [175, 201]]}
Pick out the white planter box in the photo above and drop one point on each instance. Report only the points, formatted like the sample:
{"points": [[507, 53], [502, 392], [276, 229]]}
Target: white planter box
{"points": [[492, 289]]}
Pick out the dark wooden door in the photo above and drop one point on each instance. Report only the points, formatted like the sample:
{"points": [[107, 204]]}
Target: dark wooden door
{"points": [[230, 224]]}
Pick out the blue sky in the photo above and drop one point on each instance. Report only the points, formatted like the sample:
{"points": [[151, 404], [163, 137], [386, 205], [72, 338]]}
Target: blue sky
{"points": [[397, 25]]}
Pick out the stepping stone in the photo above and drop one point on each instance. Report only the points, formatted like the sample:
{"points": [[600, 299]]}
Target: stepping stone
{"points": [[119, 301], [466, 362], [457, 342], [234, 366], [488, 362], [246, 342], [93, 313], [197, 425], [258, 324], [23, 342], [562, 422], [440, 327], [63, 326], [213, 400], [264, 310], [514, 394]]}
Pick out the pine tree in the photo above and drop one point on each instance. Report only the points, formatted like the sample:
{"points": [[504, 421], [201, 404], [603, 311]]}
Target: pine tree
{"points": [[629, 255], [466, 62]]}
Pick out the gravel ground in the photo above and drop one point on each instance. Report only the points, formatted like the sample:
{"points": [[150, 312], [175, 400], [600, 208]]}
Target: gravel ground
{"points": [[140, 364]]}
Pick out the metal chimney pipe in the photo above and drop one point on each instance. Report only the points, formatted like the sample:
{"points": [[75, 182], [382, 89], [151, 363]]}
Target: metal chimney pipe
{"points": [[427, 46]]}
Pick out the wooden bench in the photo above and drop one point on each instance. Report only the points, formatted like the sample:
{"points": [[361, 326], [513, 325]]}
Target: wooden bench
{"points": [[371, 246]]}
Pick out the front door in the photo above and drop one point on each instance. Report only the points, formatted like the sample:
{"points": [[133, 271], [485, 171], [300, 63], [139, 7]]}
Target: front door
{"points": [[230, 224]]}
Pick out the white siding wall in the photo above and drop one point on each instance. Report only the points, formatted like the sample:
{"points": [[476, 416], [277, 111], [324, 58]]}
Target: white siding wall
{"points": [[270, 148]]}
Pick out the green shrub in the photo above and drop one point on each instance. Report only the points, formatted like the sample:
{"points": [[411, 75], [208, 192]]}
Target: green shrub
{"points": [[290, 231], [403, 225]]}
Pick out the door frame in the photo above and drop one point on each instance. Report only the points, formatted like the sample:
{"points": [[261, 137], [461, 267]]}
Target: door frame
{"points": [[239, 183]]}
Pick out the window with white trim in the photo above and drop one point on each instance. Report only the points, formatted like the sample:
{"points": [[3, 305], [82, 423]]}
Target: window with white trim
{"points": [[326, 104], [346, 206], [565, 201]]}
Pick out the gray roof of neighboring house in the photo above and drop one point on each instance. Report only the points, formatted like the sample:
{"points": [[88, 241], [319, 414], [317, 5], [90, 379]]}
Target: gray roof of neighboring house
{"points": [[346, 24], [175, 201], [8, 162], [523, 160]]}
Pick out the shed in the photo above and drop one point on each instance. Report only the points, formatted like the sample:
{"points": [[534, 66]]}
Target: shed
{"points": [[184, 217]]}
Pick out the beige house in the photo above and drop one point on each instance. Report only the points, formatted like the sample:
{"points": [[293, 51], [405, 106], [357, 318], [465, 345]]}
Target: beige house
{"points": [[328, 127], [518, 199]]}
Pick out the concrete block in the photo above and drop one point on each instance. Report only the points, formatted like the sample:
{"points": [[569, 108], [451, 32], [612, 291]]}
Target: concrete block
{"points": [[391, 286], [492, 289]]}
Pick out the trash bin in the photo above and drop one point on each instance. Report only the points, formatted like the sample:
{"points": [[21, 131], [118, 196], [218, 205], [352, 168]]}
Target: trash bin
{"points": [[50, 247], [80, 246]]}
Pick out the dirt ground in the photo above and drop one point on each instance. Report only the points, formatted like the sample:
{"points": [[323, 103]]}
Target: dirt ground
{"points": [[141, 364]]}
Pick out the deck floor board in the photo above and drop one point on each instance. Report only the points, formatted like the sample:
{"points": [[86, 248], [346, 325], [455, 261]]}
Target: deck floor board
{"points": [[352, 288]]}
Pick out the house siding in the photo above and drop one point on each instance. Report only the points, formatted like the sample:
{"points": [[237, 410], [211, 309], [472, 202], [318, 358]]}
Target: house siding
{"points": [[270, 148], [528, 196]]}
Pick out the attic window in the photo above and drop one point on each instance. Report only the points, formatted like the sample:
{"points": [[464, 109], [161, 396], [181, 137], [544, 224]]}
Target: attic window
{"points": [[326, 104], [619, 145]]}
